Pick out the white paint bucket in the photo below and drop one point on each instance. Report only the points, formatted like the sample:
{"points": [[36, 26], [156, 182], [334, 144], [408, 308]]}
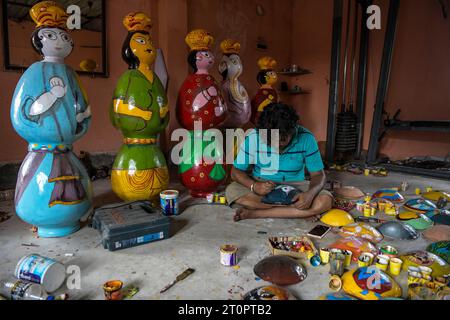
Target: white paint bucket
{"points": [[45, 271], [169, 202], [228, 255]]}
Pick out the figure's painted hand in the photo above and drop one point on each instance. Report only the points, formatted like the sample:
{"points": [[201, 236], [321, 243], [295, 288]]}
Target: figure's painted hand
{"points": [[212, 91], [303, 201], [58, 88]]}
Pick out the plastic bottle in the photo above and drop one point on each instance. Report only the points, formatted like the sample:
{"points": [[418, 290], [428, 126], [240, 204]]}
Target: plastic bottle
{"points": [[22, 290]]}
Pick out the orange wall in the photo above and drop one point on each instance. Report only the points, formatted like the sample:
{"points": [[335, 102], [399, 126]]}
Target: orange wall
{"points": [[420, 74], [297, 31], [238, 20]]}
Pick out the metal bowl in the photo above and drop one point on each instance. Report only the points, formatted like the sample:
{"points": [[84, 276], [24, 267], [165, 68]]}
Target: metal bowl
{"points": [[280, 270]]}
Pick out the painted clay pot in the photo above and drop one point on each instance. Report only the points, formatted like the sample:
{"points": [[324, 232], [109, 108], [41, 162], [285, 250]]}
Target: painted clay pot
{"points": [[236, 97], [139, 109], [50, 110], [199, 172], [266, 94]]}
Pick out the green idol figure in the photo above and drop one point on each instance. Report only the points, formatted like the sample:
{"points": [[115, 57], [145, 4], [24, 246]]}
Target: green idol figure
{"points": [[140, 110]]}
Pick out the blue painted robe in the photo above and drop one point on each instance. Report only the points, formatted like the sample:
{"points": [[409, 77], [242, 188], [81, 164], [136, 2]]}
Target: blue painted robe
{"points": [[53, 189]]}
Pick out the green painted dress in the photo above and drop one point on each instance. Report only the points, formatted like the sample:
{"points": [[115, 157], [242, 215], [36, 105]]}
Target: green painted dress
{"points": [[139, 109]]}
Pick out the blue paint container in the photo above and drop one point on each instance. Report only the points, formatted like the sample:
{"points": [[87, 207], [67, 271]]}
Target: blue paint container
{"points": [[169, 202], [42, 270]]}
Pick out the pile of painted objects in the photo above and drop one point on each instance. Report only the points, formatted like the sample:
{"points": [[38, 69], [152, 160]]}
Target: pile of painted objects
{"points": [[427, 270]]}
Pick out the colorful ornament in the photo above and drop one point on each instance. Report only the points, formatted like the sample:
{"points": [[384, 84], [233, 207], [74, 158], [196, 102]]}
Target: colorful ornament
{"points": [[419, 205], [441, 249], [369, 283], [236, 97], [50, 110], [389, 194], [337, 218], [426, 259], [361, 230], [421, 223], [355, 245], [266, 94], [140, 110], [269, 293], [436, 195]]}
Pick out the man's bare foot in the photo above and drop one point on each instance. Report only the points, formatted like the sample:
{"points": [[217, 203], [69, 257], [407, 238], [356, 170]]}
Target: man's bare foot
{"points": [[241, 214]]}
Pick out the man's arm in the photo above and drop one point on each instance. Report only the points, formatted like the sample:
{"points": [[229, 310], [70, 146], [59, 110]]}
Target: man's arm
{"points": [[305, 199], [259, 187]]}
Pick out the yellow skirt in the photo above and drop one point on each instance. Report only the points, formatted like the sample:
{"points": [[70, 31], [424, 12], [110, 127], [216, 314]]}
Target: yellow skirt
{"points": [[133, 185]]}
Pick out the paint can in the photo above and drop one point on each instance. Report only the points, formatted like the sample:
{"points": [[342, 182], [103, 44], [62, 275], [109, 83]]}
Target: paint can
{"points": [[337, 260], [113, 290], [210, 198], [325, 255], [216, 197], [169, 202], [42, 270], [223, 200], [228, 255]]}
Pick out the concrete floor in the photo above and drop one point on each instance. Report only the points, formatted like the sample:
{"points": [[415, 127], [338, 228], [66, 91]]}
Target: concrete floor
{"points": [[200, 231]]}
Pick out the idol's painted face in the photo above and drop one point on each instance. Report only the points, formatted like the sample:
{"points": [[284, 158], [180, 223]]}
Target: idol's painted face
{"points": [[55, 42], [234, 65], [205, 60], [143, 48], [271, 78]]}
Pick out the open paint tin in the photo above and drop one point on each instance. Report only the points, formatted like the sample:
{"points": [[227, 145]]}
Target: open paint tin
{"points": [[228, 255], [42, 270], [169, 202]]}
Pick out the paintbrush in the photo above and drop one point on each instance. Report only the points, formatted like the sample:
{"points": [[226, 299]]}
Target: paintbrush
{"points": [[182, 276]]}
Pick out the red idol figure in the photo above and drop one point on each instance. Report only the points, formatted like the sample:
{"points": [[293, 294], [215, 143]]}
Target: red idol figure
{"points": [[200, 100], [266, 94]]}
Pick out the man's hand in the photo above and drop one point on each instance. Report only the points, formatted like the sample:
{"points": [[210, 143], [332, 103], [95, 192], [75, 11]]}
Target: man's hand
{"points": [[263, 188], [303, 201]]}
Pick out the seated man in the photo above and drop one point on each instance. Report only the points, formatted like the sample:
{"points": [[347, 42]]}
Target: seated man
{"points": [[297, 151]]}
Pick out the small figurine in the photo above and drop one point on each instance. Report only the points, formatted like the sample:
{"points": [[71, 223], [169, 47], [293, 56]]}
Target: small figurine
{"points": [[236, 97], [266, 94], [50, 110], [140, 110], [200, 100]]}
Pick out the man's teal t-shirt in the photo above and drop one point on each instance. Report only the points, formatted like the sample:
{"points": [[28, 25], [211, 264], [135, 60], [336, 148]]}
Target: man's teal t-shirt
{"points": [[289, 166]]}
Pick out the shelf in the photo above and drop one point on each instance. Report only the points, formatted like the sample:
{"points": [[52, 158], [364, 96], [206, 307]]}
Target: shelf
{"points": [[295, 92], [434, 126], [293, 74]]}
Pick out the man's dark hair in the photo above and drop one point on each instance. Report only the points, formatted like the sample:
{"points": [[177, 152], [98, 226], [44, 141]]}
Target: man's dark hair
{"points": [[127, 53], [278, 116]]}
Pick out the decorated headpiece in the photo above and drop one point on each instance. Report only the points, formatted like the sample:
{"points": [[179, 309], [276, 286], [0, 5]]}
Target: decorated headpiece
{"points": [[199, 40], [49, 14], [267, 63], [137, 21], [230, 46]]}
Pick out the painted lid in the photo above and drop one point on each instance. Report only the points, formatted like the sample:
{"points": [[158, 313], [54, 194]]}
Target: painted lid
{"points": [[337, 218]]}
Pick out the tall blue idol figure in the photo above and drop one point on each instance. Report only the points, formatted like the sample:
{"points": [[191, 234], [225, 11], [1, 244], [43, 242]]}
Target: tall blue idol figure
{"points": [[50, 110]]}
